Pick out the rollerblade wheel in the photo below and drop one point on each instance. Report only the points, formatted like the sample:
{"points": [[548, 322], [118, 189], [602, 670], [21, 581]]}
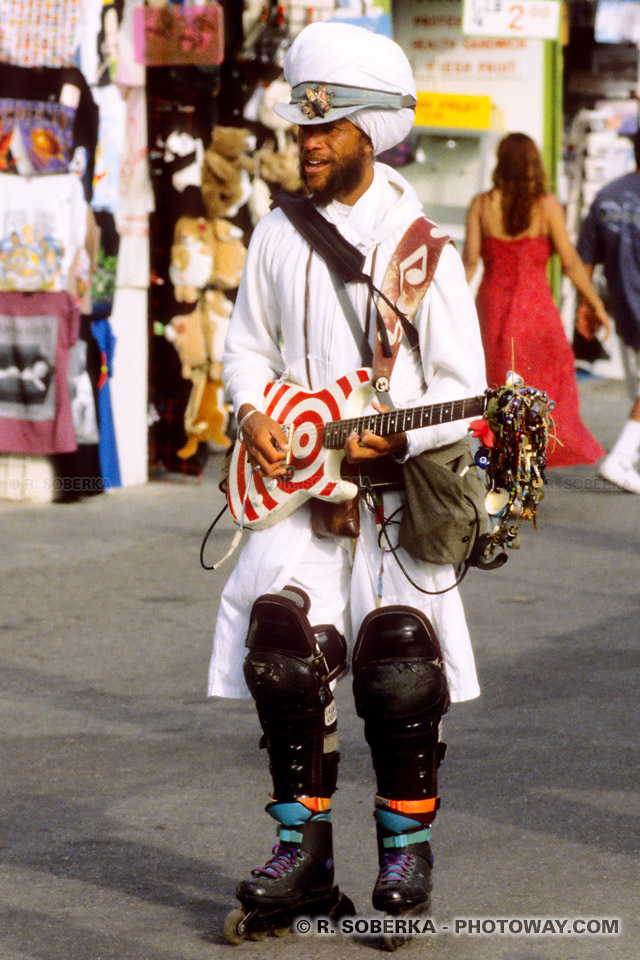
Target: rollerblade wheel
{"points": [[280, 931], [257, 935], [230, 929]]}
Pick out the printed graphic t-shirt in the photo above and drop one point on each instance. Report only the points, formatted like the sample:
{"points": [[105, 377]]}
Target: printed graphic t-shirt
{"points": [[43, 222], [37, 332]]}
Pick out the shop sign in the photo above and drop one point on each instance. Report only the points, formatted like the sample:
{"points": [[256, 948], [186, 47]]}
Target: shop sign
{"points": [[452, 110], [533, 19]]}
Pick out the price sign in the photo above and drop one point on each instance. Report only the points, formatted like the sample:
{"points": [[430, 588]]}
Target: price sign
{"points": [[531, 19]]}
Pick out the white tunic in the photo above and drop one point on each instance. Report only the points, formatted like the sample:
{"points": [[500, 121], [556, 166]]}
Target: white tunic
{"points": [[268, 338]]}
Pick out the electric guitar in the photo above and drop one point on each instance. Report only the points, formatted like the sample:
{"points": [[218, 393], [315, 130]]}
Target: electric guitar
{"points": [[317, 426]]}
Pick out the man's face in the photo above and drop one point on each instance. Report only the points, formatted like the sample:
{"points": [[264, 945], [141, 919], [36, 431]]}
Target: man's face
{"points": [[335, 161]]}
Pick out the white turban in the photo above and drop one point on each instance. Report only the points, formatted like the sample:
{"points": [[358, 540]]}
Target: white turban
{"points": [[341, 68]]}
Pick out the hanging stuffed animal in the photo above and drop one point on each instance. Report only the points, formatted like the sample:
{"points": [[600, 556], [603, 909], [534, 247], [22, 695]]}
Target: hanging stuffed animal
{"points": [[192, 257], [226, 184], [199, 336], [206, 416]]}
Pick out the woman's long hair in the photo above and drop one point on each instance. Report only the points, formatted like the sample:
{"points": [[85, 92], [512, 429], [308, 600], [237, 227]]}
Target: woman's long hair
{"points": [[520, 177]]}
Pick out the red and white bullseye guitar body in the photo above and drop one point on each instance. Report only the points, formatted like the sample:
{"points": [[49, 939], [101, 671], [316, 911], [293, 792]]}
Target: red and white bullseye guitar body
{"points": [[317, 425]]}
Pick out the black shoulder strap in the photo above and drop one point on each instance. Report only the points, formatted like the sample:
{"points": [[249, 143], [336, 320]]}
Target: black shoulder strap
{"points": [[325, 238]]}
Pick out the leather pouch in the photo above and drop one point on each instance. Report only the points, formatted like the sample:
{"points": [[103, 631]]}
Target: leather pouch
{"points": [[335, 519]]}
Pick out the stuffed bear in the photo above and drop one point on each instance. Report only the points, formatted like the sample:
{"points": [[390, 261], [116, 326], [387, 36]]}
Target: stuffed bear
{"points": [[192, 257], [226, 185], [199, 336]]}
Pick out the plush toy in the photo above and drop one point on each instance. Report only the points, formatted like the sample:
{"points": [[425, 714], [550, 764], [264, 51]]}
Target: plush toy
{"points": [[178, 148], [226, 184], [203, 254], [276, 168], [192, 257], [206, 416], [199, 336], [229, 255]]}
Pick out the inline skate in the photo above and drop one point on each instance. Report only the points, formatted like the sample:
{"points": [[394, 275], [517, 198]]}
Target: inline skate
{"points": [[296, 881], [403, 886]]}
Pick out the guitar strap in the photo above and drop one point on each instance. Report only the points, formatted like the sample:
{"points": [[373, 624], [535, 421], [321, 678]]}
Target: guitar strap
{"points": [[406, 281]]}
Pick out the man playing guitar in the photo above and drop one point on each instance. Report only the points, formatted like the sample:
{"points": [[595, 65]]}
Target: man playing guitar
{"points": [[299, 606]]}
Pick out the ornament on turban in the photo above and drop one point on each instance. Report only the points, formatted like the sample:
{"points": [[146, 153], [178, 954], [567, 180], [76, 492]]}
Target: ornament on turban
{"points": [[339, 70]]}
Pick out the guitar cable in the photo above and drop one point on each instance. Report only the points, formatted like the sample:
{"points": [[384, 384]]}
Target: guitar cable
{"points": [[236, 537], [385, 522]]}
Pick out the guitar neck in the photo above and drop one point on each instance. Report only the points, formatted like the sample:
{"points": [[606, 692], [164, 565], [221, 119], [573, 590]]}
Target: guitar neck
{"points": [[401, 421]]}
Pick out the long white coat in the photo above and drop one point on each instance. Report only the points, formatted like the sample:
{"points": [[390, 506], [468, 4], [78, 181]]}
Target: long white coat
{"points": [[268, 338]]}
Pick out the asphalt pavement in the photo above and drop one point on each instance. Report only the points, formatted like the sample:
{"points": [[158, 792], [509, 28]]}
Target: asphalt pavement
{"points": [[130, 804]]}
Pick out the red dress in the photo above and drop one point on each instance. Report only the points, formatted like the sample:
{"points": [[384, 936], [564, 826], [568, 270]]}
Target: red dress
{"points": [[519, 319]]}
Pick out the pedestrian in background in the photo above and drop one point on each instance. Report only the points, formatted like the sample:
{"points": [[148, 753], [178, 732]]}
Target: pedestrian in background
{"points": [[514, 228], [611, 235]]}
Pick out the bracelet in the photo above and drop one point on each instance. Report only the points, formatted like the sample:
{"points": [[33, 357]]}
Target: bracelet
{"points": [[244, 420]]}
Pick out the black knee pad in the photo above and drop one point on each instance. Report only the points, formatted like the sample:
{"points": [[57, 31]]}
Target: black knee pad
{"points": [[401, 693], [288, 669]]}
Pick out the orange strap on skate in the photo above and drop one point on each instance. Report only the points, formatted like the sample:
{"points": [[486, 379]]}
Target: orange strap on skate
{"points": [[427, 805], [317, 804]]}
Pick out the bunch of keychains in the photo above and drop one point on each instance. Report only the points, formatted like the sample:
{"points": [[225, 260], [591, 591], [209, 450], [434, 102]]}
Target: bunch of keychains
{"points": [[513, 449]]}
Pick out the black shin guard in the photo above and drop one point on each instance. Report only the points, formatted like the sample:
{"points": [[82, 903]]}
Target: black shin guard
{"points": [[401, 694], [288, 670]]}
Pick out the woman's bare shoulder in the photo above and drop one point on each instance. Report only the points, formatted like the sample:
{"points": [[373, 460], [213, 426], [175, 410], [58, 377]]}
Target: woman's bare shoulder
{"points": [[550, 204]]}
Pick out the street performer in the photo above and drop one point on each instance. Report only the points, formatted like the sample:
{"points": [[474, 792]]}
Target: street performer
{"points": [[299, 603]]}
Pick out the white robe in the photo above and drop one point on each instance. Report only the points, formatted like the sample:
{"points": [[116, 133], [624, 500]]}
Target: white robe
{"points": [[267, 339]]}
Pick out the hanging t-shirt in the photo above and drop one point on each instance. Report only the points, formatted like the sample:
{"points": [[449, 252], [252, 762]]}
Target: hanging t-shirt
{"points": [[110, 151], [49, 118], [43, 222], [107, 445], [37, 137], [38, 33], [37, 332]]}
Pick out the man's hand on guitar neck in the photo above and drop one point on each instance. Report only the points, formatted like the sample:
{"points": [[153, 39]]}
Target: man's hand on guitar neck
{"points": [[369, 446], [265, 440]]}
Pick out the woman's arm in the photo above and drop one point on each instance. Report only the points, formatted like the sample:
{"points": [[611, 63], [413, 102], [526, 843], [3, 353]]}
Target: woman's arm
{"points": [[473, 239], [572, 265]]}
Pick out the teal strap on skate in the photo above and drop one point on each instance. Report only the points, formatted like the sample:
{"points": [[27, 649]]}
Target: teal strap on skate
{"points": [[394, 822], [407, 839], [289, 836]]}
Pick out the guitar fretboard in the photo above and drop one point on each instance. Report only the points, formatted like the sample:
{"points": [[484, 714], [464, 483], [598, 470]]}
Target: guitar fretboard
{"points": [[400, 421]]}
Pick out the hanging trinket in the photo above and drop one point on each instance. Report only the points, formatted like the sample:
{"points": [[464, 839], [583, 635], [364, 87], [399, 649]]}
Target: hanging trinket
{"points": [[513, 435]]}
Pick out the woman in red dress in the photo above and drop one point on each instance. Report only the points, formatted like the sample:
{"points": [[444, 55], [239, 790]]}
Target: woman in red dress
{"points": [[514, 228]]}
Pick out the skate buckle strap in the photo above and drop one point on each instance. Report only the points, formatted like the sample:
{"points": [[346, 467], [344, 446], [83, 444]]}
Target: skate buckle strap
{"points": [[317, 804], [426, 805], [406, 839], [289, 836]]}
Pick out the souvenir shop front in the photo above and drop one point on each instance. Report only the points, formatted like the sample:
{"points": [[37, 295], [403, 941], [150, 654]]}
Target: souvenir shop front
{"points": [[138, 150]]}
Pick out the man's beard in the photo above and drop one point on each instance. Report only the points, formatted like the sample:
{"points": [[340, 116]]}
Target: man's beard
{"points": [[345, 175]]}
